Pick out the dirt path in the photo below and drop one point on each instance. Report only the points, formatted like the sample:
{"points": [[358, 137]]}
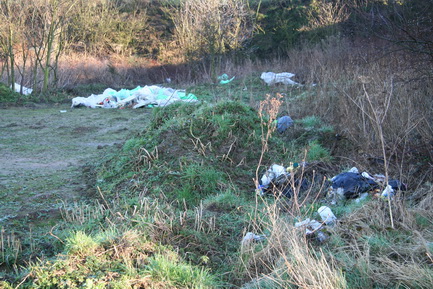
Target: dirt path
{"points": [[43, 151]]}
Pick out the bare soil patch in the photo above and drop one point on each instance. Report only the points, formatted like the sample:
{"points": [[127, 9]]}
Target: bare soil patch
{"points": [[43, 152]]}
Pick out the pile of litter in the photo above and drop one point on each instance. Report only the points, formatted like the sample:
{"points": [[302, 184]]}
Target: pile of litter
{"points": [[353, 184], [346, 185], [272, 78], [315, 228], [279, 180], [138, 97]]}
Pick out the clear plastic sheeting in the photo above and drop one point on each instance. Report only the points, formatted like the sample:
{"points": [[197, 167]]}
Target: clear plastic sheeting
{"points": [[138, 97], [271, 78], [25, 90]]}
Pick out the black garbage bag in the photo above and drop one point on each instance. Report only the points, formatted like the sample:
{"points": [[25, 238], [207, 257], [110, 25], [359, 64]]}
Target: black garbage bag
{"points": [[353, 184], [300, 186], [397, 185]]}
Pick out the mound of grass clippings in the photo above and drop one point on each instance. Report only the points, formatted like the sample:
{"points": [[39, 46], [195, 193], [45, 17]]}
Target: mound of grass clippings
{"points": [[194, 151]]}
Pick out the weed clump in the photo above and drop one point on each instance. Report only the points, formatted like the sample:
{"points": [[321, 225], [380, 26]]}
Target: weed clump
{"points": [[119, 259]]}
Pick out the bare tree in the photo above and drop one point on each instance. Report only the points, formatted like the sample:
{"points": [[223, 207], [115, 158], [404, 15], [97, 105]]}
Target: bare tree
{"points": [[211, 26]]}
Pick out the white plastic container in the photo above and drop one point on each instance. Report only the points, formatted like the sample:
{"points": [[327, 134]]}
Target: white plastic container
{"points": [[327, 215]]}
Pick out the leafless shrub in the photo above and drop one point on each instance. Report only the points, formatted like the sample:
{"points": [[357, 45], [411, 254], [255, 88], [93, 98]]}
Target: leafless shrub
{"points": [[210, 27]]}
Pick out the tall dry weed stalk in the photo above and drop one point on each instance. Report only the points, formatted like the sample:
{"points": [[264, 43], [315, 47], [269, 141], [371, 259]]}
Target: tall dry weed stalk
{"points": [[376, 111], [10, 247], [268, 111], [286, 259]]}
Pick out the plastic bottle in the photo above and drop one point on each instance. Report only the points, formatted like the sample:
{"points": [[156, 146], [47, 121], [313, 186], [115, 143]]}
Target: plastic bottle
{"points": [[327, 215]]}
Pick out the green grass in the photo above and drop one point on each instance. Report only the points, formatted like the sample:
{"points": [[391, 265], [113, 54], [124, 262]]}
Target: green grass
{"points": [[116, 259], [178, 274]]}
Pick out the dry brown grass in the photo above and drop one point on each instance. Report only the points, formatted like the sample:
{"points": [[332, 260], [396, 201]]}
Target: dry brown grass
{"points": [[398, 86], [288, 260], [388, 256]]}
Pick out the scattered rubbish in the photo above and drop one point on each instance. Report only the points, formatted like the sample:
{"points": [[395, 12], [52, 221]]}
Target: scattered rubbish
{"points": [[388, 192], [63, 111], [138, 97], [314, 228], [283, 123], [327, 215], [271, 174], [26, 90], [224, 79], [271, 78], [277, 180], [311, 226], [355, 185], [351, 185], [250, 237]]}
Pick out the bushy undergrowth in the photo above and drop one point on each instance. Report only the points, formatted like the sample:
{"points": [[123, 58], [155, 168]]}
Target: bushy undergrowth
{"points": [[7, 95]]}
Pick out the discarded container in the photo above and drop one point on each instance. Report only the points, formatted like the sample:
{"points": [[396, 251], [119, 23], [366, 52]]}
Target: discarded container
{"points": [[327, 215]]}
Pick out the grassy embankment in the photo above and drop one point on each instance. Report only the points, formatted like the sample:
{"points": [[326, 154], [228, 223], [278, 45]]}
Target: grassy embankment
{"points": [[172, 206]]}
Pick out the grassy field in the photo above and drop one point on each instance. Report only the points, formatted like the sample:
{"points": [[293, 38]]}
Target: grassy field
{"points": [[44, 165]]}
